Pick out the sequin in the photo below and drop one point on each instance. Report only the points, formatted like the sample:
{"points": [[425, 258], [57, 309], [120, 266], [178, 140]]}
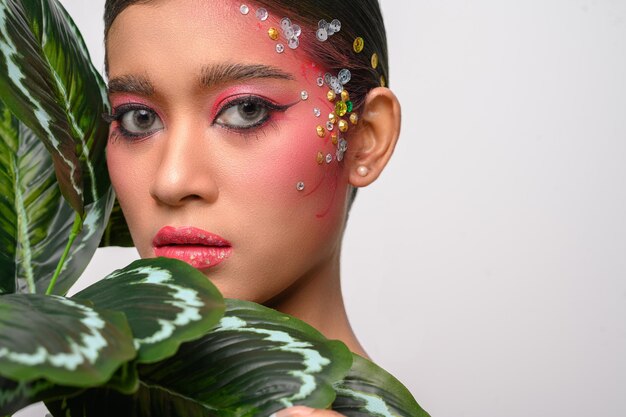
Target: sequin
{"points": [[320, 82], [293, 43], [358, 45], [336, 85], [288, 32], [332, 117], [327, 78], [300, 186], [331, 96], [329, 158], [334, 138], [339, 155], [335, 25], [383, 82], [262, 14], [349, 106], [320, 158], [297, 30], [280, 48], [285, 22], [321, 132], [322, 24], [354, 118], [374, 60], [304, 95], [273, 33], [244, 9], [344, 76], [317, 112], [343, 126], [329, 126], [322, 35], [345, 96], [343, 145], [341, 108]]}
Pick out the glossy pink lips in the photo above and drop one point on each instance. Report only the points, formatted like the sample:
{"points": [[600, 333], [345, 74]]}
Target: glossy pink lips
{"points": [[197, 247]]}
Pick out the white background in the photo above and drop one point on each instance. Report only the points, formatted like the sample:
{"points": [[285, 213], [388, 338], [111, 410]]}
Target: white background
{"points": [[486, 268]]}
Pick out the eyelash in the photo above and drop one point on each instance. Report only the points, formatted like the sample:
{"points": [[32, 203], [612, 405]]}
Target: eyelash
{"points": [[120, 111]]}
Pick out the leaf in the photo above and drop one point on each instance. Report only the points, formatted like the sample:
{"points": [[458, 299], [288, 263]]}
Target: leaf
{"points": [[166, 301], [369, 390], [116, 232], [35, 219], [17, 395], [256, 362], [47, 80], [61, 341]]}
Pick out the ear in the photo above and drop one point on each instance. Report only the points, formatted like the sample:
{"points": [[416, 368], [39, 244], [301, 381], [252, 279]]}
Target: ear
{"points": [[374, 141]]}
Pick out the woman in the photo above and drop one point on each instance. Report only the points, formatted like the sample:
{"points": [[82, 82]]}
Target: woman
{"points": [[239, 134]]}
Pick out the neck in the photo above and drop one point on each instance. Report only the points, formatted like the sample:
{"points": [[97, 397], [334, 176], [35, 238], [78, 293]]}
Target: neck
{"points": [[316, 299]]}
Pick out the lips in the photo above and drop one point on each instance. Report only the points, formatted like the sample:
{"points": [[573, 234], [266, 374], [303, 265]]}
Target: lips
{"points": [[197, 247]]}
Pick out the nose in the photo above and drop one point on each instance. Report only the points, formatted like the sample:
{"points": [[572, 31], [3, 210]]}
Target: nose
{"points": [[184, 171]]}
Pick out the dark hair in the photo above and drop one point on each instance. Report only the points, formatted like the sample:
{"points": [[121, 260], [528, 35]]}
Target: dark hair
{"points": [[360, 18]]}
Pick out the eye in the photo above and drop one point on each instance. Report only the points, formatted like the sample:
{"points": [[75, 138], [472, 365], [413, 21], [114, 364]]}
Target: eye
{"points": [[246, 113], [136, 121]]}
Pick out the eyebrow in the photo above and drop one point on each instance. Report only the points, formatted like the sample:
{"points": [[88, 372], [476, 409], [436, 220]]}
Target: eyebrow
{"points": [[210, 76]]}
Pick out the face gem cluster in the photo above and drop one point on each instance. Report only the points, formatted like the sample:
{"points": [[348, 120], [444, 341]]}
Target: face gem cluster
{"points": [[342, 115]]}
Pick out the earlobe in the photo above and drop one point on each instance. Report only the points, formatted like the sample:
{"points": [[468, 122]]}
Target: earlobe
{"points": [[374, 141]]}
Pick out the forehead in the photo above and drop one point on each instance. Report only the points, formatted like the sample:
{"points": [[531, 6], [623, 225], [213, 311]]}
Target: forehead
{"points": [[180, 35]]}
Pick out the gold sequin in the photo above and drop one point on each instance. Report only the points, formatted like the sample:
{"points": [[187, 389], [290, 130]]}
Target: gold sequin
{"points": [[334, 138], [354, 118], [273, 34], [358, 45], [332, 118], [345, 96], [374, 60], [331, 96], [321, 132], [383, 83], [343, 125], [320, 158], [341, 108]]}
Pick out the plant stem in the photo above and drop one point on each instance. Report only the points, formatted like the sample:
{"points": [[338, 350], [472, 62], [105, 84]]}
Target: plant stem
{"points": [[76, 228]]}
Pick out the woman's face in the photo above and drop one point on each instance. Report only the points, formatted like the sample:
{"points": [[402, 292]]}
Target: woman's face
{"points": [[211, 139]]}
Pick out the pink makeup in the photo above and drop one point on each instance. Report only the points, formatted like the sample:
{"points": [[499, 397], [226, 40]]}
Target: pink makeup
{"points": [[197, 247]]}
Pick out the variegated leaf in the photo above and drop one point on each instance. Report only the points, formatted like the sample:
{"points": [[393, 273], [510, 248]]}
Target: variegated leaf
{"points": [[257, 361], [35, 219], [59, 340], [370, 391], [116, 232], [49, 83], [166, 301], [17, 395]]}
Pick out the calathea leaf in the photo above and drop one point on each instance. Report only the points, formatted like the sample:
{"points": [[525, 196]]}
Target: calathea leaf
{"points": [[17, 395], [370, 391], [166, 301], [51, 339], [49, 83], [255, 362], [116, 232], [35, 219]]}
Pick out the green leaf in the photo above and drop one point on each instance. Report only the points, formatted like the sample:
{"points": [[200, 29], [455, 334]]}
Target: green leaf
{"points": [[47, 80], [368, 390], [16, 395], [257, 361], [35, 219], [166, 301], [116, 232], [59, 340]]}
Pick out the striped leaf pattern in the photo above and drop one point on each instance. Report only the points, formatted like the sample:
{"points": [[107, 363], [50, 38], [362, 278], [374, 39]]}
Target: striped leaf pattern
{"points": [[166, 301], [35, 219], [48, 340], [370, 391], [255, 362], [49, 83]]}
